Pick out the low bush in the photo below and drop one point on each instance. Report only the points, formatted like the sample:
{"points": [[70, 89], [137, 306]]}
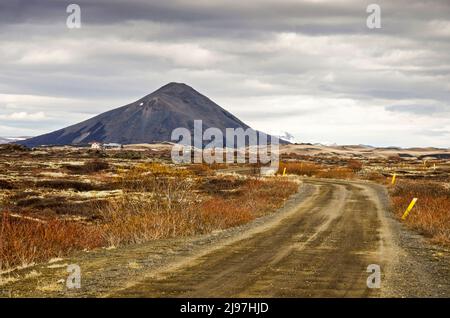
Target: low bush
{"points": [[88, 167], [299, 168], [337, 173], [354, 165], [64, 184], [6, 185], [24, 241], [130, 155], [159, 201], [315, 170], [431, 214]]}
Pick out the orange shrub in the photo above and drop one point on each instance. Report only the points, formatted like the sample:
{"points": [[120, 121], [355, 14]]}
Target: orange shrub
{"points": [[337, 173], [314, 170], [431, 214], [355, 165], [219, 213], [200, 169], [174, 210], [299, 168], [376, 177], [25, 241]]}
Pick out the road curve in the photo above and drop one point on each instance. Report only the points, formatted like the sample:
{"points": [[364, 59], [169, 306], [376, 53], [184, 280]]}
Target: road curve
{"points": [[321, 249], [318, 245]]}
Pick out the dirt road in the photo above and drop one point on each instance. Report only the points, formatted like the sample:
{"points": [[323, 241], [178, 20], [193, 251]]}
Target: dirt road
{"points": [[322, 248], [319, 245]]}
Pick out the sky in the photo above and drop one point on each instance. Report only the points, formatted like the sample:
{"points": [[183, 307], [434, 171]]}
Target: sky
{"points": [[311, 68]]}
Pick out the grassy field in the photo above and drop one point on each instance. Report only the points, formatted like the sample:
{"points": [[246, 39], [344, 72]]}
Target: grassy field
{"points": [[428, 181], [58, 202]]}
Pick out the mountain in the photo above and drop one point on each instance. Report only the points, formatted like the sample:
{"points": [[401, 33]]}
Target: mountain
{"points": [[150, 119]]}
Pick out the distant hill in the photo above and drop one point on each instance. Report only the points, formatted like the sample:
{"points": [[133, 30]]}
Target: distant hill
{"points": [[150, 119]]}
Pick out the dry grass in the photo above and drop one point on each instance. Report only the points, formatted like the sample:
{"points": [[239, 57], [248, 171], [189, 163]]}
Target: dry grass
{"points": [[376, 177], [63, 184], [431, 215], [25, 241], [337, 173], [355, 165], [256, 198], [6, 185], [316, 170], [88, 167], [133, 219], [158, 201], [299, 168], [151, 177]]}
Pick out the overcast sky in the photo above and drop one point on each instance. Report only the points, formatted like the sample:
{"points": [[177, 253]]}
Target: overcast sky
{"points": [[311, 68]]}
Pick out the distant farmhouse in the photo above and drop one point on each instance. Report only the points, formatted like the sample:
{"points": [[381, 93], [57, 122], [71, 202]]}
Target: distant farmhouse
{"points": [[96, 146]]}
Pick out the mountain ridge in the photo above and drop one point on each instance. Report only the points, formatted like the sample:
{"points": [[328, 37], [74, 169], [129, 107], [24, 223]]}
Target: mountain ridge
{"points": [[150, 119]]}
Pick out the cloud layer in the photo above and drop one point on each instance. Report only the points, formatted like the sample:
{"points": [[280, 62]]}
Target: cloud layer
{"points": [[312, 68]]}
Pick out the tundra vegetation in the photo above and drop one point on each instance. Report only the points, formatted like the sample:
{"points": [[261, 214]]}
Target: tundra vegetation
{"points": [[431, 214], [426, 180], [58, 201]]}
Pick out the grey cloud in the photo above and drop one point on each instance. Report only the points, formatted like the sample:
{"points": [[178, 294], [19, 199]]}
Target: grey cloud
{"points": [[419, 109], [228, 49]]}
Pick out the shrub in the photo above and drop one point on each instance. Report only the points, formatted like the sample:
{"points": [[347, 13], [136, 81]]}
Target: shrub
{"points": [[130, 155], [337, 173], [200, 169], [152, 177], [63, 184], [221, 185], [299, 168], [220, 213], [91, 166], [6, 185], [128, 221], [376, 177], [160, 202], [314, 170], [23, 241], [431, 214], [132, 219], [354, 165]]}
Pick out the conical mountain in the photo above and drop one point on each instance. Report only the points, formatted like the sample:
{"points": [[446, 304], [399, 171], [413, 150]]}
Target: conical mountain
{"points": [[150, 119]]}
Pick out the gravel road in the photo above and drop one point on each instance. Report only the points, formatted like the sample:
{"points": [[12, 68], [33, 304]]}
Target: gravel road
{"points": [[319, 245]]}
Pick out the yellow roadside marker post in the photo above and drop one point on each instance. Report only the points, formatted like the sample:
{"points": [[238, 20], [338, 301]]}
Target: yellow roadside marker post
{"points": [[410, 207], [393, 178], [284, 171]]}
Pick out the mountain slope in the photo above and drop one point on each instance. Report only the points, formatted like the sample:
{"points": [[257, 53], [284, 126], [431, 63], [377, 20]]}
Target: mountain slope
{"points": [[148, 120]]}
